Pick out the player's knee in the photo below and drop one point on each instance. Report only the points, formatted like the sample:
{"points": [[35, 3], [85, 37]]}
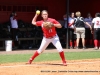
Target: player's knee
{"points": [[60, 50], [39, 51]]}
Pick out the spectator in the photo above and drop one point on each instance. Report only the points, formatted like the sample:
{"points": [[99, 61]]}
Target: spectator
{"points": [[89, 36], [80, 29], [71, 19], [65, 19], [96, 26], [71, 31], [65, 28], [14, 27]]}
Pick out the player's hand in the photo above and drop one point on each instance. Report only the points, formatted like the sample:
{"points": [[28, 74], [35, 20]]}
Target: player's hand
{"points": [[91, 32], [90, 28], [74, 28], [37, 14]]}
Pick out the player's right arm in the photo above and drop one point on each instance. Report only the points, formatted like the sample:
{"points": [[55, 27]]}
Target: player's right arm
{"points": [[93, 21], [86, 23], [34, 19]]}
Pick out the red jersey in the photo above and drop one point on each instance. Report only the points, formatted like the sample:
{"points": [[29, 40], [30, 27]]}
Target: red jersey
{"points": [[48, 32]]}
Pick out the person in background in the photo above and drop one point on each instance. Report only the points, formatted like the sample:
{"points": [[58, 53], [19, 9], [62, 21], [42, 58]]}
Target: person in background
{"points": [[71, 19], [64, 28], [96, 26], [89, 35], [71, 31], [79, 24], [14, 28]]}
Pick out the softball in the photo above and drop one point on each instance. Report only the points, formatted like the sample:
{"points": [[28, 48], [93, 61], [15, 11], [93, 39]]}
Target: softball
{"points": [[38, 12]]}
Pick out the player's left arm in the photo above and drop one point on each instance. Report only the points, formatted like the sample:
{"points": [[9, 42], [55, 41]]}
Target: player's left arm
{"points": [[93, 22], [89, 26], [57, 24], [86, 23]]}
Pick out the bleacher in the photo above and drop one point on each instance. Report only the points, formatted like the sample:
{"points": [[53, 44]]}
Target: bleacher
{"points": [[29, 36]]}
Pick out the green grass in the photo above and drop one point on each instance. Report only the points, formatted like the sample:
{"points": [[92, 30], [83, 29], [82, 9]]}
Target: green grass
{"points": [[49, 56]]}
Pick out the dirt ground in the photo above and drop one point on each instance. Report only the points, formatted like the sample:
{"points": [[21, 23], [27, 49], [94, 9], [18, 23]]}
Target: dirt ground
{"points": [[79, 67], [74, 67]]}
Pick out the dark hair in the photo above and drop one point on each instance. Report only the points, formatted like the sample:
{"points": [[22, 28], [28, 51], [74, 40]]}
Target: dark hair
{"points": [[88, 14], [71, 13], [97, 14], [13, 13]]}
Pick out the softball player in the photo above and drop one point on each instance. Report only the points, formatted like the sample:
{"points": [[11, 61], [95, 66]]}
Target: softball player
{"points": [[71, 31], [50, 36], [71, 19], [14, 27], [96, 26], [88, 34]]}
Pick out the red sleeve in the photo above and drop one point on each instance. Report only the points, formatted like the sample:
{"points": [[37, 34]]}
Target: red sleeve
{"points": [[39, 23], [55, 22]]}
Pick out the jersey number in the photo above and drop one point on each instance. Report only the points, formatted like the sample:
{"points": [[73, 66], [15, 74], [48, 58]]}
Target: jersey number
{"points": [[98, 23], [50, 30]]}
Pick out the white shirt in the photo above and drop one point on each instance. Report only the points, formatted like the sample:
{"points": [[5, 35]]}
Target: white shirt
{"points": [[14, 23], [70, 20], [96, 22]]}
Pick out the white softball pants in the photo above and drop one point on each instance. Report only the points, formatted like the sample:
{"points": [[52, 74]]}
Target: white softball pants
{"points": [[45, 42]]}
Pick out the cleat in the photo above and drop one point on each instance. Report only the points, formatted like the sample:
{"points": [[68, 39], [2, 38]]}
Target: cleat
{"points": [[74, 47], [64, 63], [96, 48], [77, 47], [71, 47], [84, 47], [29, 62]]}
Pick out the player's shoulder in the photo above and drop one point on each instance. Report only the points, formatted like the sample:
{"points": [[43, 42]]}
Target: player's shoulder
{"points": [[81, 17], [11, 17], [39, 22], [95, 18], [70, 18]]}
